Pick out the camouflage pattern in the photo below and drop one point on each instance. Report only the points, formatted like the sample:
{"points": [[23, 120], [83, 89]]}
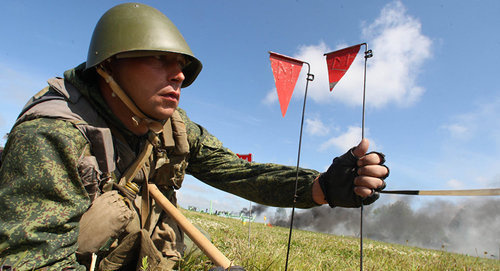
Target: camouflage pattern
{"points": [[43, 198]]}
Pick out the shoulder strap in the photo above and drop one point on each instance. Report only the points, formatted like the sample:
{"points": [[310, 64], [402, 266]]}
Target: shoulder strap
{"points": [[61, 100], [177, 134]]}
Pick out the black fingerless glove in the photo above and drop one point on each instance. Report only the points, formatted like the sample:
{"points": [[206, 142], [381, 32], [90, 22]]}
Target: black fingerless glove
{"points": [[337, 183]]}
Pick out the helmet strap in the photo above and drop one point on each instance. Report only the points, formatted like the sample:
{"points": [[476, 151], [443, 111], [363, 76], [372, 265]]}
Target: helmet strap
{"points": [[139, 117]]}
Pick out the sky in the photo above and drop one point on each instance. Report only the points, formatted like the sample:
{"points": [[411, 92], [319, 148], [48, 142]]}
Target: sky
{"points": [[432, 97]]}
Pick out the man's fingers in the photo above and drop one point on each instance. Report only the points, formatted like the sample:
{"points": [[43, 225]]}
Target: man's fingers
{"points": [[368, 182], [373, 158], [365, 185], [362, 148], [363, 191], [373, 171]]}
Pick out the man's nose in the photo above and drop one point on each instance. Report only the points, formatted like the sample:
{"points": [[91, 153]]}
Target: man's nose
{"points": [[175, 74]]}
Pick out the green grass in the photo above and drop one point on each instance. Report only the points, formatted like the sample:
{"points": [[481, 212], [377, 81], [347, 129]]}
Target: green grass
{"points": [[317, 251]]}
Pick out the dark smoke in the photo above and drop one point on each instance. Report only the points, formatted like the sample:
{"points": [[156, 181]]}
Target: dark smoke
{"points": [[257, 209], [470, 227]]}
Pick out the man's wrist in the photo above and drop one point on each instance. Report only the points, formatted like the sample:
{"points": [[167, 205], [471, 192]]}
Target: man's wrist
{"points": [[317, 193]]}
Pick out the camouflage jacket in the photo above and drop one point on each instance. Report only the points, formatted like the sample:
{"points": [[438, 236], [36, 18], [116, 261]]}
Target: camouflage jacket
{"points": [[42, 196]]}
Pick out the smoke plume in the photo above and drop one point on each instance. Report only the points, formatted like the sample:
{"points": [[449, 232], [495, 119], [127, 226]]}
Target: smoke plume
{"points": [[257, 209], [470, 227]]}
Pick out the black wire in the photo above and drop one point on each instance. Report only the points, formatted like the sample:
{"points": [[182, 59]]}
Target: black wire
{"points": [[310, 77]]}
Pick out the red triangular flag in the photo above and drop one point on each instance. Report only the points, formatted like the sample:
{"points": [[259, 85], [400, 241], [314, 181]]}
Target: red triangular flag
{"points": [[338, 63], [247, 157], [286, 71]]}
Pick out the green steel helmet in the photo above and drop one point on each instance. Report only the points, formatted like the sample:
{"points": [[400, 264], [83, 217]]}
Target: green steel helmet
{"points": [[135, 27]]}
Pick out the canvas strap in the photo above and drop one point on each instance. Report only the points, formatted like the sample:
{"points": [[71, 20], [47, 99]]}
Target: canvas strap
{"points": [[153, 125], [155, 128]]}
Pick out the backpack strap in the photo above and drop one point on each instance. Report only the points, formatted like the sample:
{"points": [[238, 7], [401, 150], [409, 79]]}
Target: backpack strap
{"points": [[62, 100]]}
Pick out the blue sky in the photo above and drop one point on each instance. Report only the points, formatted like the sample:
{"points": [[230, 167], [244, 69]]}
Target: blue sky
{"points": [[432, 93]]}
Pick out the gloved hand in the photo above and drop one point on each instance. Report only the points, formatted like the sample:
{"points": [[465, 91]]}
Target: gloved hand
{"points": [[354, 178]]}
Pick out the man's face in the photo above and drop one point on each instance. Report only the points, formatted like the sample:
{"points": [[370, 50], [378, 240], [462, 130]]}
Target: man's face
{"points": [[152, 82]]}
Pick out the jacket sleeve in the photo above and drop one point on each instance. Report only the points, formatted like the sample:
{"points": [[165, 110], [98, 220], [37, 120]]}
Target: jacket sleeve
{"points": [[41, 195], [264, 183]]}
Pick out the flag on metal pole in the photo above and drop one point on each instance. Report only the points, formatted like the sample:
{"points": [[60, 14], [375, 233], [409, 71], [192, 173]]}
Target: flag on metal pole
{"points": [[286, 71], [338, 62]]}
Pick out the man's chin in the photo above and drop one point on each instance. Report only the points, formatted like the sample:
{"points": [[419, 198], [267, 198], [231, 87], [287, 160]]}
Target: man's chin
{"points": [[163, 114]]}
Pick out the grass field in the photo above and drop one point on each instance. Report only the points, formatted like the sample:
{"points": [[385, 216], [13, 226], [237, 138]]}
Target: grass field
{"points": [[317, 251]]}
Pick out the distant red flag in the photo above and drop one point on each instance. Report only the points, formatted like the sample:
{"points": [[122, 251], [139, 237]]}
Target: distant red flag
{"points": [[247, 157], [286, 71], [338, 63]]}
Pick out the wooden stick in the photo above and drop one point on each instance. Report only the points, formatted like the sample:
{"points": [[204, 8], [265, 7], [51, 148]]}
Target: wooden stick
{"points": [[198, 238], [471, 192], [93, 262]]}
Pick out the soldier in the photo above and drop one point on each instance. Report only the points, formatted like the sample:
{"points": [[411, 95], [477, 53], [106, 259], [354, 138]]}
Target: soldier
{"points": [[73, 182]]}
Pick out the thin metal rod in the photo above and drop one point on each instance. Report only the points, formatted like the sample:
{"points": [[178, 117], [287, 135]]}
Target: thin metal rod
{"points": [[364, 95], [368, 54], [310, 77], [361, 238]]}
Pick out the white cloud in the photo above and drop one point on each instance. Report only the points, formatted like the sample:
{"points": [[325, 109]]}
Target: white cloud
{"points": [[347, 140], [481, 122], [400, 50], [316, 127], [470, 146], [318, 89], [271, 97], [344, 141], [458, 130], [455, 184]]}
